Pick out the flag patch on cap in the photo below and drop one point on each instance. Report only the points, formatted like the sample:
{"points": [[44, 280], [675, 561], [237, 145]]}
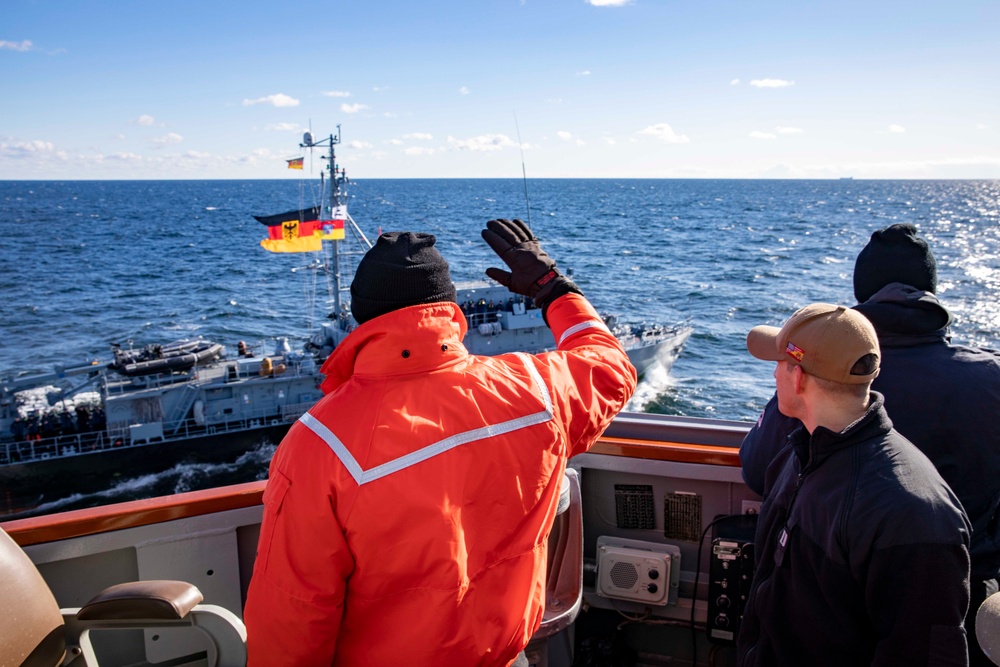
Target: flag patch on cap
{"points": [[795, 352]]}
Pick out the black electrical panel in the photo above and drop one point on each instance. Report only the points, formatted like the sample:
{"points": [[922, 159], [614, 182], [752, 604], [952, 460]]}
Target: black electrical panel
{"points": [[730, 572]]}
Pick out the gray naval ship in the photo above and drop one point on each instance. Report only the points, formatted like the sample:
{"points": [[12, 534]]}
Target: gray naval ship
{"points": [[499, 322], [143, 411]]}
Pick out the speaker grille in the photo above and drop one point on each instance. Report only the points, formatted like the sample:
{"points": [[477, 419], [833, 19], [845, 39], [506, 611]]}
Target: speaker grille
{"points": [[624, 575], [682, 516], [634, 506]]}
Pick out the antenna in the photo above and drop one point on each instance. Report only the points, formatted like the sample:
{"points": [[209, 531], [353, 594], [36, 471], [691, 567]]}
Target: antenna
{"points": [[524, 174], [307, 142]]}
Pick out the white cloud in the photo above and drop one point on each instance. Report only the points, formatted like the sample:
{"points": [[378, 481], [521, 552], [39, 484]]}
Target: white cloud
{"points": [[609, 141], [418, 150], [771, 83], [395, 142], [283, 127], [897, 129], [788, 130], [982, 126], [23, 45], [169, 138], [128, 158], [585, 72], [664, 132], [26, 148], [734, 82], [359, 145], [145, 120], [380, 89], [353, 108], [762, 135], [336, 93], [422, 136], [568, 136], [609, 3], [967, 167], [484, 142], [119, 136], [464, 90], [278, 100]]}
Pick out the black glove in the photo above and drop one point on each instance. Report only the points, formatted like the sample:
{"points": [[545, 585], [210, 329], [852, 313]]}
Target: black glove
{"points": [[532, 272]]}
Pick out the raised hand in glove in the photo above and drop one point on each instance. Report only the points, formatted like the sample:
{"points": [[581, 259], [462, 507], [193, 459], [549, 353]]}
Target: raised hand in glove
{"points": [[532, 272]]}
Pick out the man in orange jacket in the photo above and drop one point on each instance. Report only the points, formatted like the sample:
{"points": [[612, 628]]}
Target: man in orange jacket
{"points": [[407, 513]]}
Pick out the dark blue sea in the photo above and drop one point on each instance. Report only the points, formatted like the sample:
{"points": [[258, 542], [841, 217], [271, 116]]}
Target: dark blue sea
{"points": [[84, 264]]}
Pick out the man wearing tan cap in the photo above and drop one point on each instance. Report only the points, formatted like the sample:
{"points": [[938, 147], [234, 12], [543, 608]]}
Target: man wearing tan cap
{"points": [[862, 548], [940, 395]]}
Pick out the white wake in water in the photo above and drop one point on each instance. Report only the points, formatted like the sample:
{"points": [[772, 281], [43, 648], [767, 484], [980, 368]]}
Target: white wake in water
{"points": [[655, 382], [182, 477]]}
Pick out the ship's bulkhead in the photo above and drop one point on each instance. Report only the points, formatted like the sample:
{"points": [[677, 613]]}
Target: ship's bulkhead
{"points": [[241, 398], [667, 531], [137, 417]]}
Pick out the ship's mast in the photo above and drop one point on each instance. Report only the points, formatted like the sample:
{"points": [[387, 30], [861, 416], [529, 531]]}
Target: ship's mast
{"points": [[336, 203], [336, 210]]}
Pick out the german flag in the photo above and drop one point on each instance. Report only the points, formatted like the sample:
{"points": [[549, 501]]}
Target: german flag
{"points": [[293, 236], [295, 163], [304, 215]]}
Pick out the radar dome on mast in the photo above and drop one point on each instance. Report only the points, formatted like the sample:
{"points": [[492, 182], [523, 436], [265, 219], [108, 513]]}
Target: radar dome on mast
{"points": [[307, 139]]}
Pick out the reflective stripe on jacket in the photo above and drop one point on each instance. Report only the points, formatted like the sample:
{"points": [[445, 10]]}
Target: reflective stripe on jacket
{"points": [[407, 514]]}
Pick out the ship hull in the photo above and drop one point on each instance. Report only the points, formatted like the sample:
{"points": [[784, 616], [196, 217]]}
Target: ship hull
{"points": [[660, 355], [65, 472], [28, 487]]}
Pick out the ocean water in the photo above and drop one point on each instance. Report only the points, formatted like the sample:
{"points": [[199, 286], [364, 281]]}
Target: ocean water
{"points": [[84, 264]]}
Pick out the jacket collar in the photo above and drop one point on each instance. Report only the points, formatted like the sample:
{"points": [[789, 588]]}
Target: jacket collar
{"points": [[903, 315], [416, 339], [813, 449]]}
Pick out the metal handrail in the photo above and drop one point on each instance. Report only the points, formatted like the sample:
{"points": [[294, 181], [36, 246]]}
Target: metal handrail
{"points": [[29, 451]]}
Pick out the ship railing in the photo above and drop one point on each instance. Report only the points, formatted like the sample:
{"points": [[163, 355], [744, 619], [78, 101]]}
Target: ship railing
{"points": [[41, 449], [28, 451], [152, 381], [475, 319], [234, 372], [247, 372], [286, 414]]}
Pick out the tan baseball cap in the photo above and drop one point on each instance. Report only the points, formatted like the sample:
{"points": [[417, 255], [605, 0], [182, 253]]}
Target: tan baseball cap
{"points": [[824, 339]]}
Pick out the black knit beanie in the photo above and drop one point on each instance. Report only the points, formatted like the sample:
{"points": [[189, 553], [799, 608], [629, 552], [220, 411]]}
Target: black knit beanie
{"points": [[894, 255], [402, 269]]}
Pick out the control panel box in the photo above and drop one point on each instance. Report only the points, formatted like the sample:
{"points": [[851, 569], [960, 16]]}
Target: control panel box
{"points": [[638, 571], [730, 573]]}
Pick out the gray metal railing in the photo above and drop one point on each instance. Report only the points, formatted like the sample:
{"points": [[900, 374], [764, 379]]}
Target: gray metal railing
{"points": [[29, 451]]}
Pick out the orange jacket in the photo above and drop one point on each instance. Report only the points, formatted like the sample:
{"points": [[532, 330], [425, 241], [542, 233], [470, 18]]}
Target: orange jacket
{"points": [[407, 513]]}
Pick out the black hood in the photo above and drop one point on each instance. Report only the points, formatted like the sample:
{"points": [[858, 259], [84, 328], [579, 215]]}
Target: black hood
{"points": [[899, 311]]}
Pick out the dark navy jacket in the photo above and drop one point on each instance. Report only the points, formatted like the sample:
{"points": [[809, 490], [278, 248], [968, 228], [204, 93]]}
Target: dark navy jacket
{"points": [[944, 398], [862, 555]]}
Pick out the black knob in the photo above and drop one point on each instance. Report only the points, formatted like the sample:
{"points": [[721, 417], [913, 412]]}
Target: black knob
{"points": [[722, 621], [654, 574], [652, 588], [723, 602]]}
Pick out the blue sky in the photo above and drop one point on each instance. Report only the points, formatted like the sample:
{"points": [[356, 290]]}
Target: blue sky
{"points": [[600, 88]]}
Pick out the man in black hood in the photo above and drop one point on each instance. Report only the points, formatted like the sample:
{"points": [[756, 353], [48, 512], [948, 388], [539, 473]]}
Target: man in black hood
{"points": [[943, 397]]}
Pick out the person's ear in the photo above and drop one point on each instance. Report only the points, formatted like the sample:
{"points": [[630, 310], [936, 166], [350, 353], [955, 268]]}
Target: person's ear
{"points": [[798, 379]]}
